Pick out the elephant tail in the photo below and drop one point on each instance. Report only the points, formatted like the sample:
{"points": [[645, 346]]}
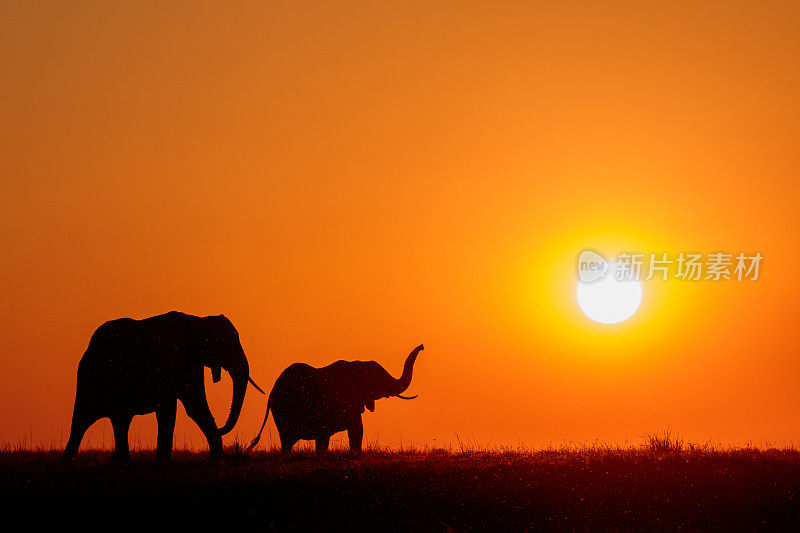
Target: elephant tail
{"points": [[258, 437]]}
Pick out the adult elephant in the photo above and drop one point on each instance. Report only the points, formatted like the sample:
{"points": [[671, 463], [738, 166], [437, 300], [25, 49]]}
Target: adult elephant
{"points": [[314, 403], [134, 367]]}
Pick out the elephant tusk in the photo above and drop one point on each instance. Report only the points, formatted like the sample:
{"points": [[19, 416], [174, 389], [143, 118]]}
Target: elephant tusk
{"points": [[253, 383], [407, 397]]}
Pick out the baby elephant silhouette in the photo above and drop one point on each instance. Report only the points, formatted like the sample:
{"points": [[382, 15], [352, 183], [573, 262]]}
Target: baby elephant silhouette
{"points": [[314, 403], [134, 367]]}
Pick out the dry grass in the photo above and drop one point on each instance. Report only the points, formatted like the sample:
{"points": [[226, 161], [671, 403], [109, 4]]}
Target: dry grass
{"points": [[663, 483]]}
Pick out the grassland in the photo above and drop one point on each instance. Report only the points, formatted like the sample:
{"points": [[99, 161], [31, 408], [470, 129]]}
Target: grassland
{"points": [[665, 485]]}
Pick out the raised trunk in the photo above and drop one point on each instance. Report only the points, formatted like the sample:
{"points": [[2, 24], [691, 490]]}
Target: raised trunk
{"points": [[239, 377], [408, 369]]}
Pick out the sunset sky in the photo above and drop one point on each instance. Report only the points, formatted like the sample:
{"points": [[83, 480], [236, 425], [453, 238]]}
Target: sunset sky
{"points": [[350, 179]]}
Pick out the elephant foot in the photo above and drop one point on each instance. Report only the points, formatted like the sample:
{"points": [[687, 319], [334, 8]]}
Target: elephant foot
{"points": [[216, 456], [121, 459]]}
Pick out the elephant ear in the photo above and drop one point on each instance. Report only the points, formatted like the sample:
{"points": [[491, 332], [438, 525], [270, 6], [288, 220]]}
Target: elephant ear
{"points": [[352, 384], [370, 383], [362, 385]]}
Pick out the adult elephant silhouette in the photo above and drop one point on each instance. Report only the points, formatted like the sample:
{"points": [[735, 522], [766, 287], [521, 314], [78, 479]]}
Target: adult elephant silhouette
{"points": [[314, 403], [134, 367]]}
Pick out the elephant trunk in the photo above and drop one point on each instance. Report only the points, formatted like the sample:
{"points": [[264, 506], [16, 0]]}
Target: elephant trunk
{"points": [[239, 376], [408, 369]]}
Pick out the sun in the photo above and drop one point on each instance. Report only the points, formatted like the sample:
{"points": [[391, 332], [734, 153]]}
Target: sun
{"points": [[608, 300]]}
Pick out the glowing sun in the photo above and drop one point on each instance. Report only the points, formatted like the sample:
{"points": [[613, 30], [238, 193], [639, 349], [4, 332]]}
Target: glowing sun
{"points": [[609, 300]]}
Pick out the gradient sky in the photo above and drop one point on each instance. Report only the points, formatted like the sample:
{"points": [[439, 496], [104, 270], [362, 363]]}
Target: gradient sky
{"points": [[350, 179]]}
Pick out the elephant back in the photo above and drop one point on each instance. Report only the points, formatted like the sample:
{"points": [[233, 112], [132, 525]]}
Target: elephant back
{"points": [[299, 397]]}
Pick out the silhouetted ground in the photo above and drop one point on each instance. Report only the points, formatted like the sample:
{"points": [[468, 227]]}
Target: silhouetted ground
{"points": [[595, 489]]}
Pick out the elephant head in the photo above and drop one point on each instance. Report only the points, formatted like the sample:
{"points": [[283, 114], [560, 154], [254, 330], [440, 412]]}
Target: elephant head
{"points": [[374, 382], [224, 351]]}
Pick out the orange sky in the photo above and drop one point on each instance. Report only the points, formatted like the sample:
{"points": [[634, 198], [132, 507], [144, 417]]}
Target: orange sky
{"points": [[352, 179]]}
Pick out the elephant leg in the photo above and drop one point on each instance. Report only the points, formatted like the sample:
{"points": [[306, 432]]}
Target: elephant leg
{"points": [[355, 434], [165, 415], [80, 423], [197, 408], [121, 425], [288, 440], [322, 444]]}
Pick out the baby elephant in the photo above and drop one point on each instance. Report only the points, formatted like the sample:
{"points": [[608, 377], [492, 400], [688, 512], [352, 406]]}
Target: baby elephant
{"points": [[314, 403]]}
